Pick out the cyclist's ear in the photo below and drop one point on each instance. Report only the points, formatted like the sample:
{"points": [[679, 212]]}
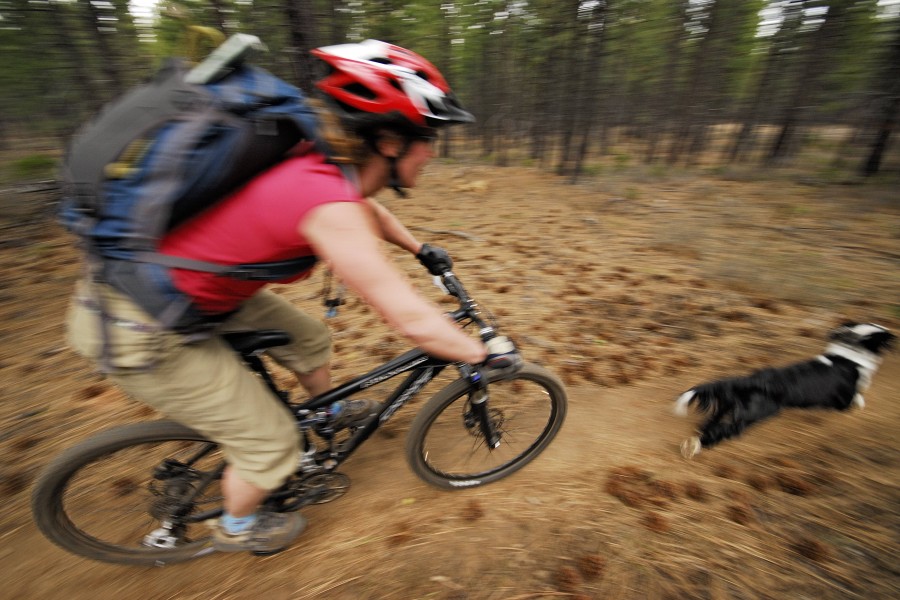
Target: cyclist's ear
{"points": [[389, 144]]}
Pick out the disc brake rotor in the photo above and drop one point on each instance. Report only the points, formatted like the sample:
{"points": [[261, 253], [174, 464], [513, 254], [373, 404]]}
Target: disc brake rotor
{"points": [[474, 427]]}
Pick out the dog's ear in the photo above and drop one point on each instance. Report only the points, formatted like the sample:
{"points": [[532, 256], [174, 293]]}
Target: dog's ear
{"points": [[878, 342]]}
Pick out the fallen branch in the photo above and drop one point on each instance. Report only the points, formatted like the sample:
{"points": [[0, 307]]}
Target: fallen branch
{"points": [[461, 234]]}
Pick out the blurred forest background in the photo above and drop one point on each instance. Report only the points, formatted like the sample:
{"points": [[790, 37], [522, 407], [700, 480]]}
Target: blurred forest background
{"points": [[572, 86]]}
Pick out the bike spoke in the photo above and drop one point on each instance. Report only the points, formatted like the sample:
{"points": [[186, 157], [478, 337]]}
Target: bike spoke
{"points": [[118, 500], [454, 446]]}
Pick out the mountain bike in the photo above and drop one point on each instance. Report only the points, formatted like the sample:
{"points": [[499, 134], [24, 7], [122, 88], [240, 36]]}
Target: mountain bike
{"points": [[141, 494]]}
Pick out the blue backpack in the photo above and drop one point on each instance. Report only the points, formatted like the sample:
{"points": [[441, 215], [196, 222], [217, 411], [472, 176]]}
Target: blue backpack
{"points": [[164, 152]]}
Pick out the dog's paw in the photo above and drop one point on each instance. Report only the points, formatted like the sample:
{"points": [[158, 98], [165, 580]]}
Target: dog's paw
{"points": [[681, 405], [690, 447], [859, 402]]}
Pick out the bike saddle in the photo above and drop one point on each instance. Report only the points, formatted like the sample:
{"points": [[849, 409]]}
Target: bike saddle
{"points": [[248, 342]]}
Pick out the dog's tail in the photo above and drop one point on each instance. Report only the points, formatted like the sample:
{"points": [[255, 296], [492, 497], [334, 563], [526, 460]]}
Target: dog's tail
{"points": [[705, 396], [683, 402]]}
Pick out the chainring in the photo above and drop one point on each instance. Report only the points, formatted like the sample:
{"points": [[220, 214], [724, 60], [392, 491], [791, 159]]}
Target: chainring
{"points": [[315, 489]]}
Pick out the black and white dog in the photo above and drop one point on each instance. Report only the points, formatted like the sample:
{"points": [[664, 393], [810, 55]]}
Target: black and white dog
{"points": [[835, 379]]}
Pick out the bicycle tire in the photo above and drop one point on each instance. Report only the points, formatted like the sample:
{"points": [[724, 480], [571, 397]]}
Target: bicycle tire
{"points": [[51, 505], [532, 395]]}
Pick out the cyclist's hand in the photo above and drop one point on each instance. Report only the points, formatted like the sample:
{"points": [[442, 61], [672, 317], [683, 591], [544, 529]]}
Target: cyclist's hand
{"points": [[435, 259], [502, 355]]}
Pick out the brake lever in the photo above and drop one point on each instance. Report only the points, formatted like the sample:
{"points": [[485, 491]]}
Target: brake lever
{"points": [[439, 283]]}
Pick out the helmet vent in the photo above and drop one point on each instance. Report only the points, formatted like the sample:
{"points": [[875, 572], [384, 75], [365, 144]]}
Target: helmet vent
{"points": [[361, 91]]}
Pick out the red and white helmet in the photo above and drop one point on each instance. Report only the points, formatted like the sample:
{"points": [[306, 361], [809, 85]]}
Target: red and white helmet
{"points": [[377, 83]]}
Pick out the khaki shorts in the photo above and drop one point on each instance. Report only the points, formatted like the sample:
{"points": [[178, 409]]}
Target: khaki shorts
{"points": [[204, 384]]}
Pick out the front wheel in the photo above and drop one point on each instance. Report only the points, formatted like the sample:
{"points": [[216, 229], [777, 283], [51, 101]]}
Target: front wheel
{"points": [[447, 448], [137, 494]]}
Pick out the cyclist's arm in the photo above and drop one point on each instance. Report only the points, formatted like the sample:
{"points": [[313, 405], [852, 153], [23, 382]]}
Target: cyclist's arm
{"points": [[345, 234], [392, 230]]}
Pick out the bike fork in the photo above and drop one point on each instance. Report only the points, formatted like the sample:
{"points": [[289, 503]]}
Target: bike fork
{"points": [[478, 398]]}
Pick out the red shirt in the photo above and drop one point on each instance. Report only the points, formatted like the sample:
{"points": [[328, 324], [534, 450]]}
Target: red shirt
{"points": [[258, 223]]}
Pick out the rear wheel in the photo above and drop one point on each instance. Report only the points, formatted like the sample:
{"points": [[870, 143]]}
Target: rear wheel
{"points": [[446, 446], [110, 497]]}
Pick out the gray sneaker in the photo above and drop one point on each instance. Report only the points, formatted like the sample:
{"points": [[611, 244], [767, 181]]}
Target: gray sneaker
{"points": [[270, 533], [351, 413]]}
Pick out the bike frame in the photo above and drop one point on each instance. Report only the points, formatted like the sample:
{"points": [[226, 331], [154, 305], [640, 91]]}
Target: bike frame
{"points": [[421, 369]]}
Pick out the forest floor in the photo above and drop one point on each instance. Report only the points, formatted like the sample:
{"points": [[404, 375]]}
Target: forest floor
{"points": [[632, 288]]}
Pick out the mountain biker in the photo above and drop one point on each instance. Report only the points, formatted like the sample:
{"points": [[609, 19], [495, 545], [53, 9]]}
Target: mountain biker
{"points": [[389, 103]]}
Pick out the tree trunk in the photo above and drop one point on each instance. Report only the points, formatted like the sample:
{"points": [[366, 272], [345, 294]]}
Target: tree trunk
{"points": [[302, 23], [93, 96], [588, 105], [691, 137], [810, 74], [661, 130], [765, 95], [4, 132], [109, 59], [442, 60], [888, 110], [710, 83], [744, 139], [219, 14], [872, 164], [338, 31], [573, 89]]}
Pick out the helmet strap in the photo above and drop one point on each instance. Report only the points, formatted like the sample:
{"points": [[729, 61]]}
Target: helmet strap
{"points": [[394, 182], [393, 161]]}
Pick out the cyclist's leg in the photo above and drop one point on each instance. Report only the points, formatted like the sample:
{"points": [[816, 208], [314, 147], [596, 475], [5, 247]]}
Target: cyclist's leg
{"points": [[310, 349], [206, 387], [203, 385], [308, 353]]}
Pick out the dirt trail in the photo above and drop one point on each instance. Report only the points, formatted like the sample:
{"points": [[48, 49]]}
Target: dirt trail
{"points": [[393, 536], [631, 290]]}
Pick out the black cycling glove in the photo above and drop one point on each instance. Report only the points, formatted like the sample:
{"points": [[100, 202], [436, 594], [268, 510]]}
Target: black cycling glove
{"points": [[435, 259]]}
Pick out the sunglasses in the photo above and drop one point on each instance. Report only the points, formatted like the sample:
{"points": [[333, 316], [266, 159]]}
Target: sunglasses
{"points": [[428, 139]]}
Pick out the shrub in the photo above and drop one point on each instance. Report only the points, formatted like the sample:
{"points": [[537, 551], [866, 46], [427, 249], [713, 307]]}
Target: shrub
{"points": [[35, 166]]}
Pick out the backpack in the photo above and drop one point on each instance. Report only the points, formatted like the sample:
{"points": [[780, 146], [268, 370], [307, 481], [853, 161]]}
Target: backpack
{"points": [[164, 152]]}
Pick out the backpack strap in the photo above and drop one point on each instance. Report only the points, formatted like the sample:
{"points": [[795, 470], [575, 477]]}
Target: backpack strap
{"points": [[268, 271]]}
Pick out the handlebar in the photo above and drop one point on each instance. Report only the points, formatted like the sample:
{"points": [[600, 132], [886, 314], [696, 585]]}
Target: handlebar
{"points": [[453, 286], [503, 357], [468, 308]]}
